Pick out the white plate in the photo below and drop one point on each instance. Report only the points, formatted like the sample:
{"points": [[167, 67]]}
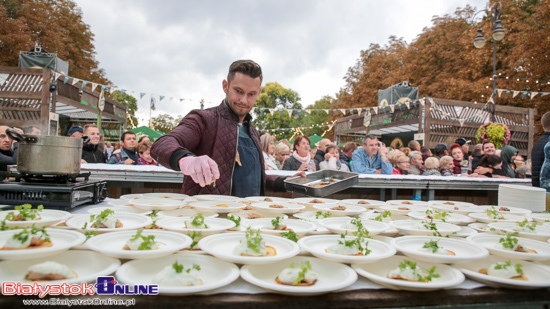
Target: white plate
{"points": [[332, 276], [465, 232], [540, 217], [378, 273], [129, 222], [95, 265], [351, 210], [482, 217], [182, 212], [512, 210], [256, 199], [464, 250], [408, 202], [48, 217], [212, 206], [246, 215], [309, 216], [121, 202], [119, 209], [289, 208], [62, 240], [111, 244], [451, 203], [158, 204], [135, 196], [317, 245], [541, 232], [373, 204], [215, 225], [372, 215], [214, 273], [539, 276], [443, 228], [491, 243], [299, 227], [222, 246], [405, 209], [309, 202], [165, 195], [461, 210], [450, 218], [215, 197], [335, 225], [480, 227]]}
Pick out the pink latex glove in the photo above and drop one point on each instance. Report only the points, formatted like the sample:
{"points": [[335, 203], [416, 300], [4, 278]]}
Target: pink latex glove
{"points": [[201, 169]]}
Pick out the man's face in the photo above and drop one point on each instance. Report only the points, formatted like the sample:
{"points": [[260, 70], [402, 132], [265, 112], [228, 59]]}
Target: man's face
{"points": [[93, 133], [371, 147], [418, 161], [324, 143], [5, 141], [489, 149], [241, 93], [129, 142]]}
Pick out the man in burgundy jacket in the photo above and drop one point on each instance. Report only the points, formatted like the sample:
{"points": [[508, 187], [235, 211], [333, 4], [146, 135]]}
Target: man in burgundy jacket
{"points": [[218, 148]]}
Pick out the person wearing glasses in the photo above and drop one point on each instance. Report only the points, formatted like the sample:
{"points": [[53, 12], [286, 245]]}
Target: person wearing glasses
{"points": [[402, 166]]}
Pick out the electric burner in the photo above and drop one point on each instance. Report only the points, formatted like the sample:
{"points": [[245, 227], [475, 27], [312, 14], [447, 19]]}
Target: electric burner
{"points": [[52, 191]]}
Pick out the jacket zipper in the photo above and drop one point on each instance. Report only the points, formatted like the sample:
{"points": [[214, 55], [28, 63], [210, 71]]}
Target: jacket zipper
{"points": [[235, 160]]}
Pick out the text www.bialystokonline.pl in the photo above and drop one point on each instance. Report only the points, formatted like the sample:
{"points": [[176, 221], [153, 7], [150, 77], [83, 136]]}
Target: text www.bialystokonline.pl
{"points": [[79, 302]]}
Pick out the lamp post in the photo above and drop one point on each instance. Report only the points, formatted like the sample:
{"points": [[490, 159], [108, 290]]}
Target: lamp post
{"points": [[498, 34]]}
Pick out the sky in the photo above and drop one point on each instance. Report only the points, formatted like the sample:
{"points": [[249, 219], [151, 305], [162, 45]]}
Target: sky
{"points": [[182, 49]]}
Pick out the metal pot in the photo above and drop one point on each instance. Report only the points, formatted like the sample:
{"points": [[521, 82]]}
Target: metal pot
{"points": [[48, 155]]}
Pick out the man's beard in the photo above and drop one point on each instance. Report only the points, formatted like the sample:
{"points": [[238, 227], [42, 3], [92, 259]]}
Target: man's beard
{"points": [[238, 113]]}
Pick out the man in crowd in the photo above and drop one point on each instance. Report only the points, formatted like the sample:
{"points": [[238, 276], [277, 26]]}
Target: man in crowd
{"points": [[465, 146], [441, 150], [91, 152], [108, 149], [346, 153], [371, 158], [537, 153], [414, 145], [320, 155], [76, 131], [415, 167], [218, 148], [128, 155], [8, 156], [487, 148]]}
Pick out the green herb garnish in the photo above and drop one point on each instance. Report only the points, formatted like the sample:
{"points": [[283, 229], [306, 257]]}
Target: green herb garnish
{"points": [[438, 215], [237, 220], [154, 215], [303, 270], [179, 268], [147, 243], [276, 222], [418, 271], [432, 245], [198, 220], [509, 242], [526, 224], [102, 217], [508, 264], [322, 214], [25, 212], [90, 234], [24, 235], [290, 235], [357, 242], [380, 218], [494, 214], [432, 226], [253, 240], [196, 234]]}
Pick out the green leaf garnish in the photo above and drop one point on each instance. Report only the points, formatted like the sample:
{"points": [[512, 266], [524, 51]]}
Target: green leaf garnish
{"points": [[322, 214], [304, 267], [276, 222], [102, 217], [432, 245], [237, 220], [147, 243], [198, 220], [196, 234], [25, 212], [438, 215], [418, 271], [494, 214], [380, 218], [25, 234], [509, 242], [290, 235], [508, 264], [253, 240], [526, 224]]}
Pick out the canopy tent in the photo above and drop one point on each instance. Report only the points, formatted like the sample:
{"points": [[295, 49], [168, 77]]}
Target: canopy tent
{"points": [[314, 139], [153, 135]]}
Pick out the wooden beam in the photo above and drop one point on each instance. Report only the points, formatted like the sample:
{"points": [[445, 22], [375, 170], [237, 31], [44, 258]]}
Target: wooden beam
{"points": [[45, 104], [532, 113], [20, 95], [18, 70]]}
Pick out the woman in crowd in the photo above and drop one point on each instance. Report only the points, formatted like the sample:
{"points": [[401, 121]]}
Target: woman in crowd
{"points": [[405, 150], [508, 155], [268, 147], [491, 163], [301, 159], [144, 152], [402, 166], [332, 160], [393, 154], [281, 152], [446, 166], [458, 158], [432, 167]]}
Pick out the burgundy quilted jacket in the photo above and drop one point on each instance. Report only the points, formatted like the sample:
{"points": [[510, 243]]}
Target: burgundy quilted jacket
{"points": [[212, 132]]}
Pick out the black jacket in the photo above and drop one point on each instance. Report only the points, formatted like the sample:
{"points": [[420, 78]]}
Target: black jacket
{"points": [[537, 158], [345, 160], [8, 157], [92, 154], [319, 157]]}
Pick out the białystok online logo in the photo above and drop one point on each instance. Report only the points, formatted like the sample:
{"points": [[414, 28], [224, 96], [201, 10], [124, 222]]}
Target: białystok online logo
{"points": [[104, 286]]}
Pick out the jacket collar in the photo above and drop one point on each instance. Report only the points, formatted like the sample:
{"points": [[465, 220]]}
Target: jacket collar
{"points": [[228, 113]]}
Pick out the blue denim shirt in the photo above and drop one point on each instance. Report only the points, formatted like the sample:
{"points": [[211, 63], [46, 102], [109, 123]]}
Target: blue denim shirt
{"points": [[364, 164]]}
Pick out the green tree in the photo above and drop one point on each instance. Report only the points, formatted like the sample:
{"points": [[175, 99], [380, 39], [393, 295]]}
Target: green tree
{"points": [[165, 123], [131, 103], [315, 118]]}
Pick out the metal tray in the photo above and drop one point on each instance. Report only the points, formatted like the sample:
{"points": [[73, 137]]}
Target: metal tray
{"points": [[338, 182]]}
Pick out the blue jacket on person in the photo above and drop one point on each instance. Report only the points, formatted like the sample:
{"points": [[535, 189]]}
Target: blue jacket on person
{"points": [[364, 164]]}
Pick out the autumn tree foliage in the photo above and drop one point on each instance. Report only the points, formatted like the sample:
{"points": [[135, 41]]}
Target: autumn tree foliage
{"points": [[56, 26], [443, 63]]}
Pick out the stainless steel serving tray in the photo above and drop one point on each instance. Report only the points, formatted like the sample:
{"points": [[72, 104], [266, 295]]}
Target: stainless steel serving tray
{"points": [[305, 185]]}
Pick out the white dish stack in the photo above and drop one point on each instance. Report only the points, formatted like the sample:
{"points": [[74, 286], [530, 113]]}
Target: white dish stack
{"points": [[526, 197]]}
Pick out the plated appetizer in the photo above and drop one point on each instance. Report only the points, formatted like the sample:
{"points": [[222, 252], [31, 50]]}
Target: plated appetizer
{"points": [[177, 275], [409, 271], [196, 222], [298, 276], [104, 220], [512, 243], [355, 247], [49, 271], [433, 246], [254, 245], [141, 242], [26, 213], [33, 238], [276, 224], [504, 270]]}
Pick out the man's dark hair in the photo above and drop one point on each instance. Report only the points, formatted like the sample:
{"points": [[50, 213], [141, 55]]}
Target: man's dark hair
{"points": [[246, 67], [349, 146], [490, 160], [126, 133], [425, 150], [487, 142], [545, 122], [370, 136]]}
